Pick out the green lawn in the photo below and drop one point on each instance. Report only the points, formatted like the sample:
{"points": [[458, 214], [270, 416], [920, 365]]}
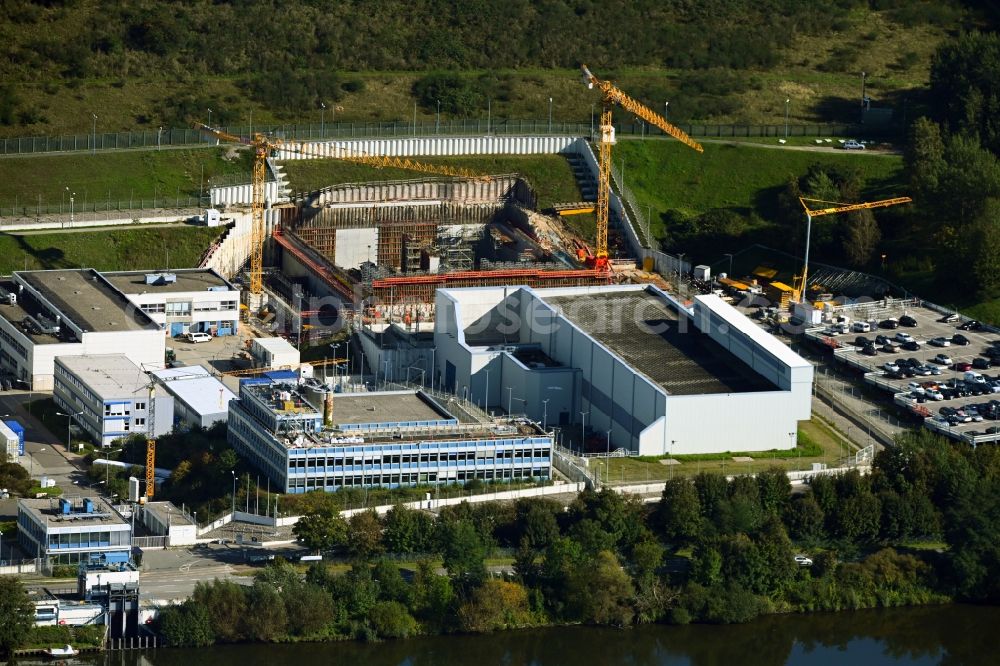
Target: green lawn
{"points": [[817, 442], [667, 175], [106, 249], [549, 175], [119, 177]]}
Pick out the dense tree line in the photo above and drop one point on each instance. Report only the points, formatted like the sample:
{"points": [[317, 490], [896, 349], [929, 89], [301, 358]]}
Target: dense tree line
{"points": [[713, 550]]}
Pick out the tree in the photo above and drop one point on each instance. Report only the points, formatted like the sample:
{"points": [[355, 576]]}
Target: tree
{"points": [[861, 237], [924, 157], [309, 609], [463, 552], [390, 619], [408, 531], [964, 90], [805, 519], [17, 615], [536, 524], [392, 586], [601, 593], [321, 531], [269, 621], [433, 597], [225, 602], [496, 605], [187, 625], [364, 535], [679, 512]]}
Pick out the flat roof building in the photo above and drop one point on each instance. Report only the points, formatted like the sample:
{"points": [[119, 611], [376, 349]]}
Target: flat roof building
{"points": [[192, 300], [305, 438], [45, 314], [70, 531], [274, 353], [108, 395], [629, 362], [199, 398], [165, 519]]}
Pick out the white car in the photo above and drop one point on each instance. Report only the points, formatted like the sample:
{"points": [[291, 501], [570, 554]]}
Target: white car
{"points": [[903, 337], [914, 387], [803, 561], [933, 394], [851, 144], [198, 337]]}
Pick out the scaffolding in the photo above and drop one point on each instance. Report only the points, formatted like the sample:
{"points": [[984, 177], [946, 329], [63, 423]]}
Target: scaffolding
{"points": [[400, 243], [419, 289]]}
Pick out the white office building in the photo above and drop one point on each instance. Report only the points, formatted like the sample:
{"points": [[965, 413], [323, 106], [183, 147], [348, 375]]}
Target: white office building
{"points": [[66, 531], [45, 314], [183, 301], [628, 363], [109, 397]]}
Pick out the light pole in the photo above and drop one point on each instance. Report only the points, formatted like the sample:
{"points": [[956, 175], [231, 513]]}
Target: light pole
{"points": [[609, 447], [728, 254], [486, 404], [583, 428], [71, 211], [158, 133], [791, 436], [95, 133], [31, 463], [210, 117], [666, 111], [322, 119], [591, 121], [510, 401], [437, 119], [233, 513], [69, 423], [1, 547], [786, 118], [545, 413], [550, 115]]}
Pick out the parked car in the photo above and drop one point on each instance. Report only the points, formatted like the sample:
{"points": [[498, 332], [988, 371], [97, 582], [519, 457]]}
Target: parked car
{"points": [[198, 337], [971, 325], [890, 367], [851, 144], [914, 387], [802, 560], [912, 345], [861, 327], [962, 366], [943, 359], [869, 350], [889, 349], [939, 342], [949, 318], [903, 337], [889, 323], [923, 370], [907, 320], [980, 363], [862, 341], [934, 394], [959, 339]]}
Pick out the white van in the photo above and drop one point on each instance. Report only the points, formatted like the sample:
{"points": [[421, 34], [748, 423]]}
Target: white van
{"points": [[972, 376], [198, 337], [862, 327]]}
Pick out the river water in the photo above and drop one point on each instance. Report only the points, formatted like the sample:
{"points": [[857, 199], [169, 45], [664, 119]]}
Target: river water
{"points": [[947, 635]]}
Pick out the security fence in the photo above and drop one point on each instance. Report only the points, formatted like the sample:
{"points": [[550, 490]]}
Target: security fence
{"points": [[188, 137]]}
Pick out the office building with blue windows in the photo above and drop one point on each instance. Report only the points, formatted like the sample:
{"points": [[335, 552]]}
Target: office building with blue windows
{"points": [[68, 531], [304, 437]]}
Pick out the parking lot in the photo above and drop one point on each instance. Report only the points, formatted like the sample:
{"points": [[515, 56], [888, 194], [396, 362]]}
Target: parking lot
{"points": [[927, 384]]}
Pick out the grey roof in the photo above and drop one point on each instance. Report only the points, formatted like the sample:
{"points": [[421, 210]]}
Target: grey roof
{"points": [[47, 512], [108, 375], [196, 388], [645, 331], [350, 408], [168, 514], [193, 279], [87, 300]]}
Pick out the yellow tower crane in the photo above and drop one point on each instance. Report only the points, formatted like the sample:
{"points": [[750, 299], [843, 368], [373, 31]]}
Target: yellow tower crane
{"points": [[614, 96], [264, 146], [834, 207]]}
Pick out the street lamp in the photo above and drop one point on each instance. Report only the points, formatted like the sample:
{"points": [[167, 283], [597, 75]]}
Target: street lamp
{"points": [[437, 119], [159, 131], [791, 436], [550, 115], [786, 118], [95, 132], [1, 547], [545, 413], [322, 119], [666, 111], [31, 463], [583, 428], [210, 117], [69, 422], [233, 513], [609, 446], [728, 254]]}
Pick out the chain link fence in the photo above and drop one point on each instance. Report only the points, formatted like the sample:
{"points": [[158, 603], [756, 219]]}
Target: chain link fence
{"points": [[109, 209], [188, 137]]}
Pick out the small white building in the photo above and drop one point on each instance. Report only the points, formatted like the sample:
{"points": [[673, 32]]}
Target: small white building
{"points": [[274, 354], [109, 397], [183, 301], [165, 519], [9, 443], [199, 398]]}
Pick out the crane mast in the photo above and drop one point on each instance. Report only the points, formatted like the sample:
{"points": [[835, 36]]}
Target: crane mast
{"points": [[615, 96]]}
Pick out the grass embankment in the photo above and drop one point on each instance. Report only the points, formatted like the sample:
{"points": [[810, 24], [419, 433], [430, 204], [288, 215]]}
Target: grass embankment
{"points": [[106, 249], [819, 74], [549, 175], [121, 178], [666, 175], [817, 443]]}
